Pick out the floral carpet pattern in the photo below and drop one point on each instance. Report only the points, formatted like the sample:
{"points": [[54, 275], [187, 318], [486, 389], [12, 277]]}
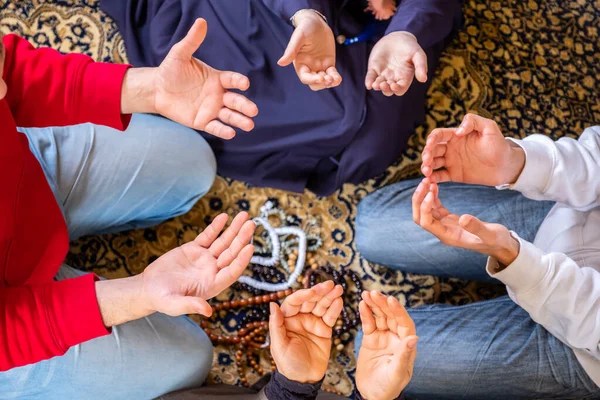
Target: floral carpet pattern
{"points": [[532, 65]]}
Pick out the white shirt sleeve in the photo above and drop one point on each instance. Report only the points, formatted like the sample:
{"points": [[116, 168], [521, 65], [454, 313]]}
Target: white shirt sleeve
{"points": [[566, 171], [557, 293]]}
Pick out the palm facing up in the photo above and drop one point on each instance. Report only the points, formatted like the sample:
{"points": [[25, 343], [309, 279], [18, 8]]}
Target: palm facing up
{"points": [[476, 153], [194, 94], [394, 61], [387, 355], [301, 332], [183, 279], [312, 50]]}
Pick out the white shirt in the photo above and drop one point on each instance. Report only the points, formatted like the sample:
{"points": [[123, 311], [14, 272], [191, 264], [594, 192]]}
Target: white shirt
{"points": [[557, 278]]}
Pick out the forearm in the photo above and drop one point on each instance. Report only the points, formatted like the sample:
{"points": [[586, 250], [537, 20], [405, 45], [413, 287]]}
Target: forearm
{"points": [[137, 92], [431, 21], [121, 300], [557, 293]]}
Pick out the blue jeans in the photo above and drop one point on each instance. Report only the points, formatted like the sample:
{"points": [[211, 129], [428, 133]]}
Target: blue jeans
{"points": [[486, 350], [106, 181]]}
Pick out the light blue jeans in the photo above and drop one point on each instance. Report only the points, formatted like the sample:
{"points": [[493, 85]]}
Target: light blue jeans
{"points": [[486, 350], [106, 181]]}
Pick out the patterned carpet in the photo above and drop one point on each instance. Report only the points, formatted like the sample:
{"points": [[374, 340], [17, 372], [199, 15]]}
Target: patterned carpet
{"points": [[532, 65]]}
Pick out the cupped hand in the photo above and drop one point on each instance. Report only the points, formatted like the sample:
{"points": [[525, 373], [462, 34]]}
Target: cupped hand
{"points": [[388, 351], [196, 95], [475, 152], [301, 331], [183, 279], [396, 59], [312, 50], [466, 231]]}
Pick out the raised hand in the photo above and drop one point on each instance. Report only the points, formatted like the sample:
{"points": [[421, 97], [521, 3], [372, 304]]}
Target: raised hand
{"points": [[387, 355], [192, 93], [312, 50], [466, 231], [475, 152], [301, 331], [183, 279], [395, 60]]}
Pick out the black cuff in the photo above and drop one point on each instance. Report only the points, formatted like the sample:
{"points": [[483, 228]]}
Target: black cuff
{"points": [[281, 388]]}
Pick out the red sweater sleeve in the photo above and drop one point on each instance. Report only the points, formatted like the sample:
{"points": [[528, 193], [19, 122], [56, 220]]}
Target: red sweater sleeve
{"points": [[34, 317], [46, 88]]}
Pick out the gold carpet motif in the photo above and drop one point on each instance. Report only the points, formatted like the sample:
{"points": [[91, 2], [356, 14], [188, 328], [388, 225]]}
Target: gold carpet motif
{"points": [[532, 65]]}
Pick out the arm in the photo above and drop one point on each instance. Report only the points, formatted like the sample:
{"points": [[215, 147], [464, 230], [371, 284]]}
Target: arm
{"points": [[38, 322], [46, 88], [557, 293], [566, 171], [428, 20]]}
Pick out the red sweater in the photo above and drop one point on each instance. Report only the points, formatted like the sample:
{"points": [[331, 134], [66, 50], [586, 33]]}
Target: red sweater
{"points": [[41, 318]]}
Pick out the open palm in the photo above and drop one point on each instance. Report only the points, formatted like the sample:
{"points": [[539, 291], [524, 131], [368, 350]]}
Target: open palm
{"points": [[478, 155], [387, 354], [301, 332], [394, 62], [197, 95], [183, 279]]}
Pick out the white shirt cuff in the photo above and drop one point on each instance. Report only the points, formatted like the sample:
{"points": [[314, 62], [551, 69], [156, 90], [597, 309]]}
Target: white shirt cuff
{"points": [[525, 272]]}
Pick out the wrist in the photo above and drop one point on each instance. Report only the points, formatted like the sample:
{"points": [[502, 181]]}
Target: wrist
{"points": [[307, 15], [403, 34], [138, 93], [516, 163], [508, 253], [122, 300]]}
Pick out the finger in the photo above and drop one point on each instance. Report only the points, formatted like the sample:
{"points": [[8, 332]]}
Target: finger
{"points": [[293, 303], [425, 210], [238, 244], [440, 176], [323, 305], [417, 199], [366, 317], [277, 331], [377, 83], [224, 241], [380, 318], [292, 49], [370, 79], [420, 62], [440, 135], [434, 151], [183, 305], [228, 275], [474, 123], [240, 103], [186, 48], [385, 88], [217, 129], [212, 231], [403, 360], [367, 297], [438, 163], [335, 75], [401, 316], [333, 312], [478, 228], [236, 119], [234, 80], [398, 89], [309, 77], [321, 290], [388, 320]]}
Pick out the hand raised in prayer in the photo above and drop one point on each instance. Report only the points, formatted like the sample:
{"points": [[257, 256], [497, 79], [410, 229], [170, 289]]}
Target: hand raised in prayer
{"points": [[394, 61], [192, 93], [387, 355], [183, 279], [301, 331], [312, 50], [466, 231], [476, 153]]}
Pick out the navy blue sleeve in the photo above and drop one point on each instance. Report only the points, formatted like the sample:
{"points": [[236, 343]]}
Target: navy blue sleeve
{"points": [[287, 8], [429, 20], [281, 388]]}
